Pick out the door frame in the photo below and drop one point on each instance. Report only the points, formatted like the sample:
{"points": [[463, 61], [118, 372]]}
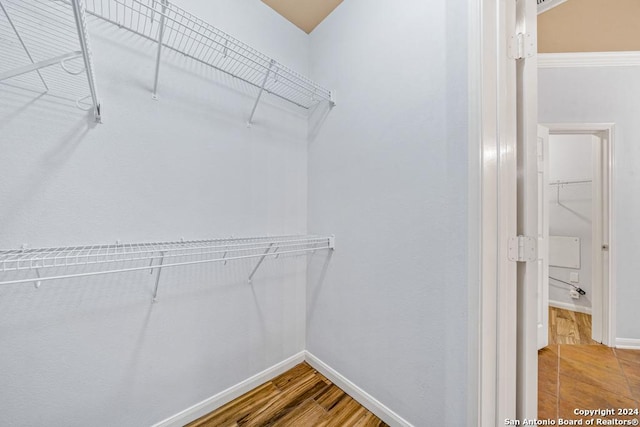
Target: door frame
{"points": [[496, 375], [604, 226], [492, 213]]}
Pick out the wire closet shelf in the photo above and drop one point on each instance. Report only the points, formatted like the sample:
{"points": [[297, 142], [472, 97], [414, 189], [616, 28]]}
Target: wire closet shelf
{"points": [[45, 47], [80, 261], [174, 28]]}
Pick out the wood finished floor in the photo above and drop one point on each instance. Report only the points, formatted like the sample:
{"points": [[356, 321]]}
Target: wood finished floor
{"points": [[586, 374], [300, 397], [569, 327]]}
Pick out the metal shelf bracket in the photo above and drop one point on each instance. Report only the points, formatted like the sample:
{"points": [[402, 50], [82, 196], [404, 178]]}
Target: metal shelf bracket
{"points": [[264, 82], [159, 267], [259, 262], [159, 53]]}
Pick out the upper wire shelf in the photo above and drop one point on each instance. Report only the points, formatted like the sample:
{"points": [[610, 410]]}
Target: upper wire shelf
{"points": [[45, 47], [50, 263], [176, 29]]}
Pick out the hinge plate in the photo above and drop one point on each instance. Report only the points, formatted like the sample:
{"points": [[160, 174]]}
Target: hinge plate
{"points": [[522, 249], [521, 46]]}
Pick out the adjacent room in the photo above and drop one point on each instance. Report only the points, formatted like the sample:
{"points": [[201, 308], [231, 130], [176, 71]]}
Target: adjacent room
{"points": [[589, 75]]}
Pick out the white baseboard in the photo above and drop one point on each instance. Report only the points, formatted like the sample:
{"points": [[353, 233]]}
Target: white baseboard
{"points": [[628, 343], [361, 396], [568, 306], [226, 396]]}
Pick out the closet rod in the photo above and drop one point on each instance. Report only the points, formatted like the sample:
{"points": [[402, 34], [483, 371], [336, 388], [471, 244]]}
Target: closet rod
{"points": [[569, 182], [560, 184]]}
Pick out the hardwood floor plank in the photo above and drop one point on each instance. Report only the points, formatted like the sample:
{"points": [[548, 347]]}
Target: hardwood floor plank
{"points": [[631, 369], [323, 378], [300, 397], [588, 376], [603, 378], [548, 370], [228, 414], [330, 397], [578, 394], [583, 322], [552, 327], [306, 414], [547, 406], [569, 327], [630, 355], [280, 405], [292, 376], [346, 413], [600, 356]]}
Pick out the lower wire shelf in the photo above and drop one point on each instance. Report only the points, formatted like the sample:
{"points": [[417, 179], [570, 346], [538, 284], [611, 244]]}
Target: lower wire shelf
{"points": [[50, 263]]}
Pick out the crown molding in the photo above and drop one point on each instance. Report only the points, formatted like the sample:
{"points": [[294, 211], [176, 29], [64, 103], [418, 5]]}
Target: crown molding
{"points": [[589, 59]]}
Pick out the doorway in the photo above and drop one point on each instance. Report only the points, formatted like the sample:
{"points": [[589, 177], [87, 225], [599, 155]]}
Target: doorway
{"points": [[580, 250], [575, 205]]}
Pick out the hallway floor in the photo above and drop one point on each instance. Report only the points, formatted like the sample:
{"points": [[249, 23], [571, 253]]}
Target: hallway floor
{"points": [[585, 376]]}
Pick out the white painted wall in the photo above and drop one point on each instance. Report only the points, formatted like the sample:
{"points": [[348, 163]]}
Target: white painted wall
{"points": [[607, 95], [570, 158], [388, 176], [96, 351]]}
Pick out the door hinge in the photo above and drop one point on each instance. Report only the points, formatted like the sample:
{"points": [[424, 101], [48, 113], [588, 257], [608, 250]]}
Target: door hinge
{"points": [[521, 46], [522, 249]]}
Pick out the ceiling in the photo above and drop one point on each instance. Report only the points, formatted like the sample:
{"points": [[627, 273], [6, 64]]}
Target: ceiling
{"points": [[305, 14]]}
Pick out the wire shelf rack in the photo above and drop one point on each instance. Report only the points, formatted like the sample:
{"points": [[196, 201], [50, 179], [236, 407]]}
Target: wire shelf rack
{"points": [[45, 48], [176, 29], [50, 263]]}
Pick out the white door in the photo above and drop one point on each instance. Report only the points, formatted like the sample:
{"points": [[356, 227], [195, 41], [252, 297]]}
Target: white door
{"points": [[543, 237]]}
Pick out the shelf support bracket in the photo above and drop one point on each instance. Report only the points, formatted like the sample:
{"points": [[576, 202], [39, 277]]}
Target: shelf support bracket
{"points": [[24, 46], [78, 13], [159, 267], [38, 65], [159, 54], [264, 255], [264, 82], [38, 282]]}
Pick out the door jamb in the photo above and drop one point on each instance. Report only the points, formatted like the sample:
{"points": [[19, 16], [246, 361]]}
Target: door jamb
{"points": [[492, 213]]}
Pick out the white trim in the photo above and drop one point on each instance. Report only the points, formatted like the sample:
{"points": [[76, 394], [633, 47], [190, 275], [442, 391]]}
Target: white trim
{"points": [[226, 396], [492, 149], [589, 59], [526, 205], [214, 402], [358, 394], [628, 343], [570, 307]]}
